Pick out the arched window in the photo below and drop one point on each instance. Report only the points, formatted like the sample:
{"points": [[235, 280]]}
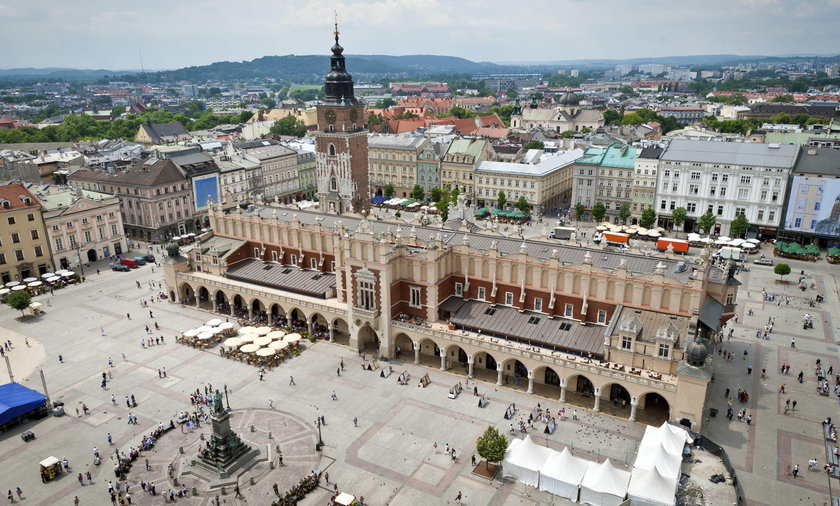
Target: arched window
{"points": [[331, 150]]}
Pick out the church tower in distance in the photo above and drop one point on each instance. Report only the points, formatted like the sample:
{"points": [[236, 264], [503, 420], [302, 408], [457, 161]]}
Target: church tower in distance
{"points": [[341, 152]]}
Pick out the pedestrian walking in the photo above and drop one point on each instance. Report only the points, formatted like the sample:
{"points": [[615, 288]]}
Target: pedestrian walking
{"points": [[261, 375], [338, 372], [128, 315], [163, 369], [327, 477], [109, 438], [356, 423], [291, 380], [88, 477], [458, 497], [333, 396], [574, 414], [270, 404], [793, 342], [150, 314], [81, 479], [19, 492], [726, 395], [342, 365], [745, 354], [793, 405], [101, 331], [60, 359], [749, 419], [749, 369], [795, 470], [113, 399]]}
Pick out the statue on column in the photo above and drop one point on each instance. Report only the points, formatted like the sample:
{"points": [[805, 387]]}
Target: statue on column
{"points": [[217, 402]]}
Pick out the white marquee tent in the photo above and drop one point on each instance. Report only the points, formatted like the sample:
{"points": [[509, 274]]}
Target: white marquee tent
{"points": [[562, 473], [523, 461], [655, 456], [604, 485], [651, 488]]}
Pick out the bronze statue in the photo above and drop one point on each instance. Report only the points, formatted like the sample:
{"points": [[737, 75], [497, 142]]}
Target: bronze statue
{"points": [[217, 402]]}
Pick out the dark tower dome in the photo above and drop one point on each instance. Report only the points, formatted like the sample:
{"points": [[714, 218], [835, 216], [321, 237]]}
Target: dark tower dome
{"points": [[696, 353], [338, 84], [569, 99]]}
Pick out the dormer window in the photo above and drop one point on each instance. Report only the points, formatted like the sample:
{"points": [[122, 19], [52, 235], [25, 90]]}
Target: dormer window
{"points": [[7, 204]]}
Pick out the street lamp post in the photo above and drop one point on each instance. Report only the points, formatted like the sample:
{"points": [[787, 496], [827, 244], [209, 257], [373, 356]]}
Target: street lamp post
{"points": [[79, 257], [320, 440]]}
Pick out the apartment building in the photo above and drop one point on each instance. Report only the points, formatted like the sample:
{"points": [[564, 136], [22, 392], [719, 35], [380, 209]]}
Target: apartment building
{"points": [[644, 180], [813, 206], [457, 167], [727, 179], [605, 175], [24, 246], [392, 159], [82, 225], [279, 179]]}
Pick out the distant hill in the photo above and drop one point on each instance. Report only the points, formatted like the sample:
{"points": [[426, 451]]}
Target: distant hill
{"points": [[57, 73]]}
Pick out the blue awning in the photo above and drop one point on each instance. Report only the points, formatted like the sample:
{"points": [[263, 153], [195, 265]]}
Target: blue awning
{"points": [[17, 400]]}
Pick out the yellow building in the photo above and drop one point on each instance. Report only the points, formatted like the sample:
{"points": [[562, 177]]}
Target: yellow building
{"points": [[24, 247]]}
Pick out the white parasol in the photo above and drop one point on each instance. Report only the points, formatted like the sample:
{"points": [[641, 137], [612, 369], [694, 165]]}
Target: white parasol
{"points": [[226, 325], [292, 338], [653, 233], [18, 288], [249, 348], [205, 335], [263, 331], [248, 330], [35, 283], [192, 333], [247, 338], [12, 283], [278, 345], [276, 334], [47, 275], [754, 241], [722, 242], [262, 341], [4, 291], [205, 328], [215, 322], [600, 228], [642, 232], [736, 242], [748, 245], [233, 342], [53, 279], [266, 352], [217, 330], [29, 279], [725, 238]]}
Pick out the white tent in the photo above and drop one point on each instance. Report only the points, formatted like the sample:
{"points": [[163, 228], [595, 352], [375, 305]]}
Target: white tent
{"points": [[604, 485], [656, 456], [651, 488], [523, 461], [562, 473]]}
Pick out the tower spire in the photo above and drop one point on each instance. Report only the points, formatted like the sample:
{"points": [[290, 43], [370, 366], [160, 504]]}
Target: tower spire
{"points": [[336, 32]]}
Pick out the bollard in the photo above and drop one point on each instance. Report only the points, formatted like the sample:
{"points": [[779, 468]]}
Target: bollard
{"points": [[252, 480], [269, 436], [224, 492], [181, 449], [271, 465], [253, 429], [277, 448]]}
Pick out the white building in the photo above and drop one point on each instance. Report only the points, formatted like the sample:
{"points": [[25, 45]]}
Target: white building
{"points": [[726, 178]]}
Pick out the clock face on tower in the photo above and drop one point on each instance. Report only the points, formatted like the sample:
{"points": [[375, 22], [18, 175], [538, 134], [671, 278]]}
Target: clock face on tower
{"points": [[353, 114], [330, 116]]}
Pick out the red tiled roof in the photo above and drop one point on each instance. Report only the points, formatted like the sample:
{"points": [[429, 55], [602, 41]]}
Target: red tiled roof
{"points": [[492, 132], [14, 194]]}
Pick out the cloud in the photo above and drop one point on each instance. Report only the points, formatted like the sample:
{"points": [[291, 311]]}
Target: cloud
{"points": [[95, 34]]}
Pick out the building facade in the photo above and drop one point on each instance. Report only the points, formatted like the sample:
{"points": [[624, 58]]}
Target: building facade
{"points": [[83, 226], [541, 183], [812, 211], [644, 180], [24, 245], [567, 116], [428, 166], [457, 167], [156, 201], [394, 160], [279, 179], [726, 179], [583, 326], [605, 175]]}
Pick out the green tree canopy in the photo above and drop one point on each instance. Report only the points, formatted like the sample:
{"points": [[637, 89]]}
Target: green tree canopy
{"points": [[384, 103], [707, 221], [579, 210], [648, 218], [288, 126], [781, 270], [612, 117], [417, 192], [492, 445], [783, 99], [19, 299], [502, 200], [522, 204], [436, 194], [268, 102], [388, 191], [534, 145], [599, 211], [739, 225], [624, 212], [678, 216]]}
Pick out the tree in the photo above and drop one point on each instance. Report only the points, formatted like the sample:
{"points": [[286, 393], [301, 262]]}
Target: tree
{"points": [[648, 218], [781, 270], [453, 195], [269, 102], [389, 190], [511, 93], [707, 221], [417, 192], [288, 126], [739, 225], [502, 200], [397, 214], [783, 99], [492, 445], [442, 206], [678, 216], [534, 145], [612, 117], [579, 210], [19, 299], [599, 211], [624, 212], [522, 204], [384, 103], [436, 194]]}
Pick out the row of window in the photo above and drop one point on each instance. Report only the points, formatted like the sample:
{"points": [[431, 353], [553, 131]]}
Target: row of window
{"points": [[16, 236], [29, 217], [511, 183], [20, 256], [663, 350], [59, 241]]}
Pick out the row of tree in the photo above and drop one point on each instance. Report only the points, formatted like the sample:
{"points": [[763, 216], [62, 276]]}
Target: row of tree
{"points": [[705, 222]]}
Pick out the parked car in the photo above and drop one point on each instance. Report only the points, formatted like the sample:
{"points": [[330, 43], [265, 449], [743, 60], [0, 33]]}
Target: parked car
{"points": [[129, 262], [763, 261], [121, 268], [150, 259]]}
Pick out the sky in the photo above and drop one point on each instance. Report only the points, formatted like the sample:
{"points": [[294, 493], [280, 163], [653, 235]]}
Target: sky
{"points": [[111, 34]]}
